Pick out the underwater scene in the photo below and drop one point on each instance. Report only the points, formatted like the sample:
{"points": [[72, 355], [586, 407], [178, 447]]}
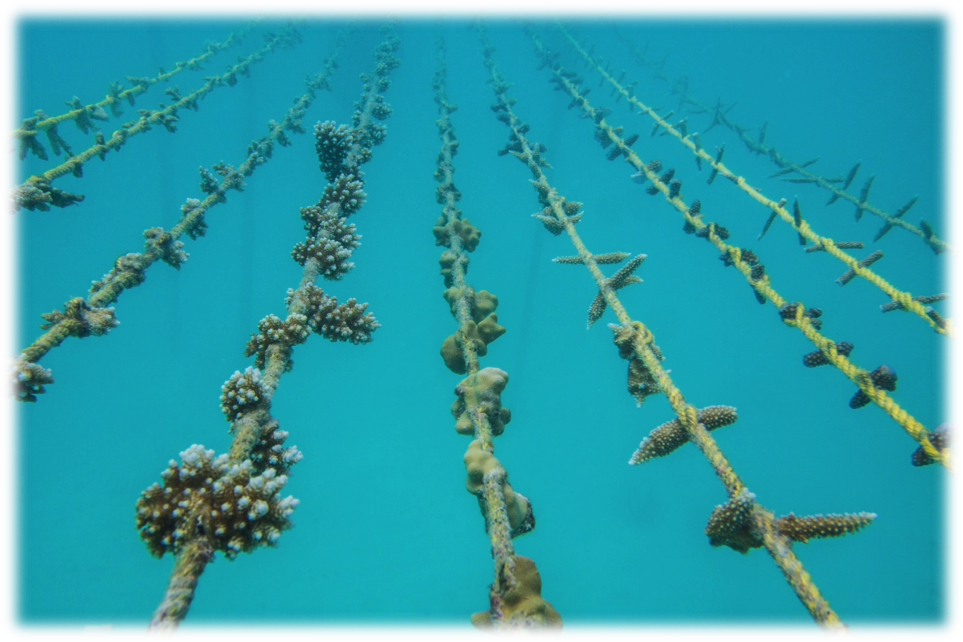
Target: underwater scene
{"points": [[412, 322]]}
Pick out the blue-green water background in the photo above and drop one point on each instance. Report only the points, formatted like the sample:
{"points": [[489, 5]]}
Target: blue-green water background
{"points": [[386, 531]]}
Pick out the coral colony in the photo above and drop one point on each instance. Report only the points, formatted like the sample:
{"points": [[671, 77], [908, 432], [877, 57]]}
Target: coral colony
{"points": [[233, 502]]}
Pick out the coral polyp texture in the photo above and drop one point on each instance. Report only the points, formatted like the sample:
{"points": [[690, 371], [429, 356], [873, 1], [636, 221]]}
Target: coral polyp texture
{"points": [[732, 524], [672, 435], [803, 529], [274, 331], [448, 261], [330, 246], [617, 281], [81, 320], [817, 358], [349, 321], [347, 191], [232, 506], [523, 606], [270, 452], [332, 144], [940, 438], [641, 381], [882, 378], [244, 392]]}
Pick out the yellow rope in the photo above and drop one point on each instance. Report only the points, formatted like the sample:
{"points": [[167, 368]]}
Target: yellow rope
{"points": [[904, 298], [936, 244], [119, 137], [799, 580], [859, 376], [194, 63]]}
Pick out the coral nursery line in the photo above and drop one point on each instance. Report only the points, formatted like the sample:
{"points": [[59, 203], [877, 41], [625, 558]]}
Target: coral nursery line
{"points": [[873, 385], [221, 501]]}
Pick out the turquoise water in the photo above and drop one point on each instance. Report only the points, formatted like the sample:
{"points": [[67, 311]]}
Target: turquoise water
{"points": [[385, 532]]}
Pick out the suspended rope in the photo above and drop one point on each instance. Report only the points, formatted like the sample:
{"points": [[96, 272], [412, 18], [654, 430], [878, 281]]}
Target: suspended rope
{"points": [[636, 343]]}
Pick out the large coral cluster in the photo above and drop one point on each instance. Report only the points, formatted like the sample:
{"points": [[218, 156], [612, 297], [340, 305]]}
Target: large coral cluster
{"points": [[270, 452], [341, 150], [346, 191], [169, 248], [451, 261], [272, 330], [128, 272], [41, 195], [730, 524], [817, 358], [547, 215], [236, 508], [331, 239]]}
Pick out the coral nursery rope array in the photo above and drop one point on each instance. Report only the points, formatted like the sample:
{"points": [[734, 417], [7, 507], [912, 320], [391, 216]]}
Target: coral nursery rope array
{"points": [[515, 594], [94, 315], [37, 193], [208, 504], [680, 132], [758, 146], [793, 314], [231, 503], [741, 523], [26, 134]]}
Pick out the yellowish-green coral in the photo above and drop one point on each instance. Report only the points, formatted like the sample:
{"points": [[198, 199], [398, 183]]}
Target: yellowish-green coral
{"points": [[478, 463], [481, 330], [483, 390], [523, 605], [469, 234]]}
